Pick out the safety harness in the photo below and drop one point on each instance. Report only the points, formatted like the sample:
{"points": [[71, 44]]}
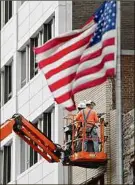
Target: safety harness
{"points": [[88, 130]]}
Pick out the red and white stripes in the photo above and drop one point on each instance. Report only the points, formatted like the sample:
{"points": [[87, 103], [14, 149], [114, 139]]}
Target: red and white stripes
{"points": [[70, 65]]}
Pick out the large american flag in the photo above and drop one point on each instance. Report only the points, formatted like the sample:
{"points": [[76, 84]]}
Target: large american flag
{"points": [[82, 58]]}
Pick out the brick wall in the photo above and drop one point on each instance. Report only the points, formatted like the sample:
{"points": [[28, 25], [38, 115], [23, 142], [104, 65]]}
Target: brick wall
{"points": [[129, 146], [128, 25], [82, 10], [128, 81]]}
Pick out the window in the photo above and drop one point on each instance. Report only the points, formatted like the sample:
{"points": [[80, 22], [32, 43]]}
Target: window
{"points": [[34, 42], [33, 154], [23, 68], [45, 34], [7, 82], [7, 164], [24, 156], [48, 30], [6, 11], [41, 38], [33, 64], [47, 124]]}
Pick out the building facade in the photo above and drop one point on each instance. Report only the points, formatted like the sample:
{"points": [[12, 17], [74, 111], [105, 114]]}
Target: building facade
{"points": [[27, 24]]}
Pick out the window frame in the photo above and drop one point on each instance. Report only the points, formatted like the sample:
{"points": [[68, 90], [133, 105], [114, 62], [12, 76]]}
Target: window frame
{"points": [[7, 74], [23, 81], [33, 158], [7, 171], [7, 12], [47, 124], [49, 26]]}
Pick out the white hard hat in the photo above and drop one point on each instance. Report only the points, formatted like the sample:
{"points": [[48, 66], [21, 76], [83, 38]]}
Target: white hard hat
{"points": [[81, 105], [90, 102]]}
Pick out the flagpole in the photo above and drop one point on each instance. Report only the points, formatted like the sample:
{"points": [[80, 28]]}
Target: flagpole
{"points": [[119, 156]]}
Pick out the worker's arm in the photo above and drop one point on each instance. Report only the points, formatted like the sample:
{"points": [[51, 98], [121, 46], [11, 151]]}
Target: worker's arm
{"points": [[96, 117], [78, 116]]}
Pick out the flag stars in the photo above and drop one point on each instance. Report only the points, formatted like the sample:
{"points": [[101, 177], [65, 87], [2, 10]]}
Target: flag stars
{"points": [[109, 20], [105, 19], [101, 11], [110, 11], [114, 5]]}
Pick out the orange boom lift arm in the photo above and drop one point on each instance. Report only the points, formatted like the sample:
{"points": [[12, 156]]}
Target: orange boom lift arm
{"points": [[53, 152], [32, 136]]}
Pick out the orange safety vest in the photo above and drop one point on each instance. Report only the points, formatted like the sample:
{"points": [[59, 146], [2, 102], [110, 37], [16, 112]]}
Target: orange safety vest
{"points": [[91, 118]]}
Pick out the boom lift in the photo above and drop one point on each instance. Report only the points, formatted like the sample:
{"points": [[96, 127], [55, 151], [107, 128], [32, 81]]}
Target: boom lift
{"points": [[67, 154]]}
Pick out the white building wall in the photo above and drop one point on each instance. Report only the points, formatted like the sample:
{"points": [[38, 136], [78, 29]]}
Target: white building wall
{"points": [[35, 97]]}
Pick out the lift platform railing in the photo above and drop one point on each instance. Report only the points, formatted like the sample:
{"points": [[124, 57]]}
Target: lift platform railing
{"points": [[82, 136], [101, 138]]}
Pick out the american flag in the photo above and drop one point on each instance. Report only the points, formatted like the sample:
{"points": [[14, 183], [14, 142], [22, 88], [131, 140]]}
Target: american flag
{"points": [[82, 58]]}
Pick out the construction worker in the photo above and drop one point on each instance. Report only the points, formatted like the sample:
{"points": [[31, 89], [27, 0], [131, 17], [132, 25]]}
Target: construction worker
{"points": [[89, 117], [80, 107], [78, 133]]}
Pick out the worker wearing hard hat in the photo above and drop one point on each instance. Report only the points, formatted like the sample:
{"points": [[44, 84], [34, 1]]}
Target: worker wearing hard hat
{"points": [[78, 133], [89, 117], [80, 107]]}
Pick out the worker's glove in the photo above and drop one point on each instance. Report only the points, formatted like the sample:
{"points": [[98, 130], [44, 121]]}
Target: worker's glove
{"points": [[100, 115]]}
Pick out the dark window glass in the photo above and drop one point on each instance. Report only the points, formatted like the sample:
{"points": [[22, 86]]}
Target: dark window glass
{"points": [[7, 83], [8, 10], [23, 68], [47, 31], [33, 63], [7, 164], [33, 154], [10, 78], [47, 124]]}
